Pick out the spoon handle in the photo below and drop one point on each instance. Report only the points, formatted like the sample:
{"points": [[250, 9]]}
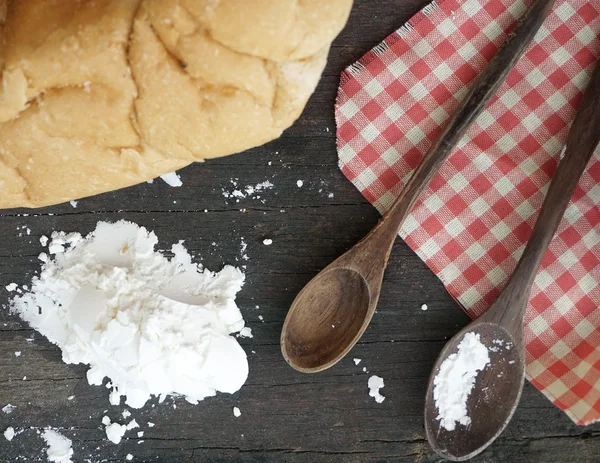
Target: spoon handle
{"points": [[582, 141], [481, 93]]}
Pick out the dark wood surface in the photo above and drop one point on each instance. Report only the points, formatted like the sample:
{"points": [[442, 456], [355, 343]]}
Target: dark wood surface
{"points": [[286, 415]]}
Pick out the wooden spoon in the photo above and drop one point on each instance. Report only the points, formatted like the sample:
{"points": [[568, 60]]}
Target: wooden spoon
{"points": [[333, 310], [498, 387]]}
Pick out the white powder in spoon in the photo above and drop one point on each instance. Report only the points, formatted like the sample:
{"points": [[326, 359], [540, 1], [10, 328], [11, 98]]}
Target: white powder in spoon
{"points": [[152, 325], [456, 379]]}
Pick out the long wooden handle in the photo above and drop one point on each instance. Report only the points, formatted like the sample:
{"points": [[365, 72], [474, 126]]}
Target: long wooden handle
{"points": [[582, 141], [481, 93]]}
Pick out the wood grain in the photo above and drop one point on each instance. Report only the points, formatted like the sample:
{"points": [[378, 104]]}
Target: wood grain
{"points": [[286, 416]]}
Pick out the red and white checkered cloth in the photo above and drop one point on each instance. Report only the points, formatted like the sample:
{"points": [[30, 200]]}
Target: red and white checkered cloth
{"points": [[472, 222]]}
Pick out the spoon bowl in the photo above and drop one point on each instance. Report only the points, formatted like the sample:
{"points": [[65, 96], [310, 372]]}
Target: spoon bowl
{"points": [[493, 399], [326, 319]]}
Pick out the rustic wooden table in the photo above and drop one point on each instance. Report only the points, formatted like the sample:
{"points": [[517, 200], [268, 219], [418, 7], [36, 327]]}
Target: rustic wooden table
{"points": [[286, 416]]}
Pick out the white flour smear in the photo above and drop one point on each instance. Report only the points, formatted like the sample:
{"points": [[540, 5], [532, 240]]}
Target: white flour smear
{"points": [[456, 379], [152, 325]]}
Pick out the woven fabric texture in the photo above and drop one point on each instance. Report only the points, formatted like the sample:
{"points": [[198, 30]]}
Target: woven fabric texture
{"points": [[471, 224]]}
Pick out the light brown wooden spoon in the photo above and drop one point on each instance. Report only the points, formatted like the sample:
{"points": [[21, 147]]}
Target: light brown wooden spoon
{"points": [[498, 387], [333, 310]]}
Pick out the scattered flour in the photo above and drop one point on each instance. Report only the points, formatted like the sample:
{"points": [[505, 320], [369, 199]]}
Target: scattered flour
{"points": [[129, 457], [59, 447], [249, 191], [243, 248], [73, 203], [375, 383], [9, 433], [236, 412], [456, 379], [357, 361], [424, 307], [299, 183], [152, 325], [268, 242], [172, 179], [11, 287]]}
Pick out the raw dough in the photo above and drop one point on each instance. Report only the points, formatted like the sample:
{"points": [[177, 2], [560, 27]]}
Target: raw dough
{"points": [[103, 94]]}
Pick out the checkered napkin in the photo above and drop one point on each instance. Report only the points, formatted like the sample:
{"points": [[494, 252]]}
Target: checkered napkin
{"points": [[471, 224]]}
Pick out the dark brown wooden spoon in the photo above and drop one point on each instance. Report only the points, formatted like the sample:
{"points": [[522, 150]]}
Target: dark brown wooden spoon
{"points": [[333, 310], [498, 387]]}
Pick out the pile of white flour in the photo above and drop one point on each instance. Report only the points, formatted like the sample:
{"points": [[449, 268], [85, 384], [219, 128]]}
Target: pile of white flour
{"points": [[153, 325], [455, 381]]}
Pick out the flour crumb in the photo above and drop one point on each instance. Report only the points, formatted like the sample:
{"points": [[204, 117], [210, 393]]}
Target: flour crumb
{"points": [[73, 203], [140, 433], [44, 240], [126, 414], [299, 183], [236, 412], [424, 307], [8, 408], [132, 425], [246, 332], [357, 361], [9, 433], [11, 287], [562, 153], [114, 431], [455, 381], [375, 383], [17, 353], [71, 397], [172, 179], [129, 457], [150, 424], [267, 241], [59, 447]]}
